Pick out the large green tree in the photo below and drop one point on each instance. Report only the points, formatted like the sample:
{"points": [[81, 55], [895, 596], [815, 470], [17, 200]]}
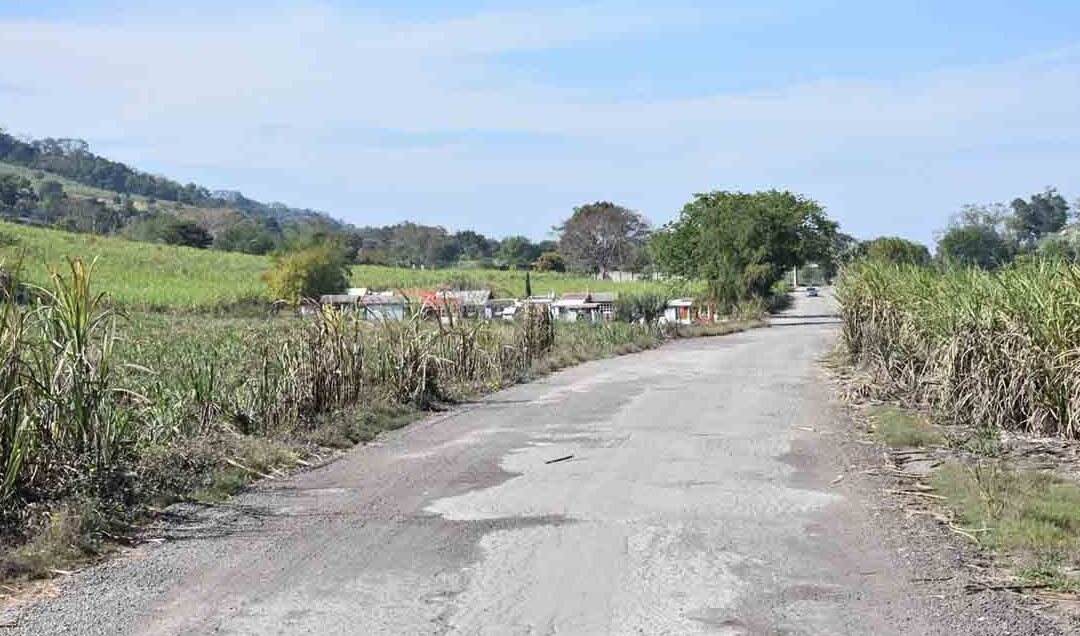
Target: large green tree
{"points": [[978, 237], [895, 250], [742, 243], [1042, 214]]}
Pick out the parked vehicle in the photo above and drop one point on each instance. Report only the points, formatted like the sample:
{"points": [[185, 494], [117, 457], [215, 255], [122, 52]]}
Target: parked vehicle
{"points": [[812, 291]]}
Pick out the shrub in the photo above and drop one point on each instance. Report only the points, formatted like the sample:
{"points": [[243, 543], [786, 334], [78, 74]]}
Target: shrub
{"points": [[307, 273]]}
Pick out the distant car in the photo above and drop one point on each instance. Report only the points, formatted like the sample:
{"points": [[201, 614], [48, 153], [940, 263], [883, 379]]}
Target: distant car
{"points": [[811, 291]]}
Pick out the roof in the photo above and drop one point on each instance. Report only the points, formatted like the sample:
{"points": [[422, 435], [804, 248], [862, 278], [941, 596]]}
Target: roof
{"points": [[605, 297], [380, 299], [681, 302], [470, 297], [338, 299]]}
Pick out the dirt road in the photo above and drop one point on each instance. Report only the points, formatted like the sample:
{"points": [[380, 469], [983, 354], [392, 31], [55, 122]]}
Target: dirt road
{"points": [[697, 496]]}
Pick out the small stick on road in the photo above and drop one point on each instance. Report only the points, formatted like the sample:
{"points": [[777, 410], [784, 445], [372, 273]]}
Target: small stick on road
{"points": [[972, 588], [559, 459]]}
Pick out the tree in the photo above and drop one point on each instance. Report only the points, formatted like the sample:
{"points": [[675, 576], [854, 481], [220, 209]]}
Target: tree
{"points": [[167, 228], [245, 236], [1044, 214], [16, 193], [307, 273], [1061, 246], [977, 237], [528, 285], [602, 236], [895, 250], [550, 262], [518, 252], [741, 243]]}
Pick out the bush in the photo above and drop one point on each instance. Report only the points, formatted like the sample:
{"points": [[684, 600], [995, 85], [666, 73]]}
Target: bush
{"points": [[307, 273], [647, 308]]}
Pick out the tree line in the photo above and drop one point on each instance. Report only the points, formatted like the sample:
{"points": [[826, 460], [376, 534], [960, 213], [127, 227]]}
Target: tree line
{"points": [[991, 236]]}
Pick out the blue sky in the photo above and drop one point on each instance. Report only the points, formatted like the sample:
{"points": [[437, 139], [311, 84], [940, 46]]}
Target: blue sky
{"points": [[503, 116]]}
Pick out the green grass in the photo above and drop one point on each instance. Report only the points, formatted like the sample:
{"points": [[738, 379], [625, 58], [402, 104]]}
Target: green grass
{"points": [[1031, 517], [897, 428], [164, 277]]}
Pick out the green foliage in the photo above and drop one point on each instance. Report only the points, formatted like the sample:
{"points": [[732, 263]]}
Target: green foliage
{"points": [[16, 193], [61, 429], [896, 251], [550, 262], [1042, 215], [246, 236], [742, 243], [1061, 246], [977, 238], [518, 252], [168, 229], [897, 428], [644, 308], [307, 273]]}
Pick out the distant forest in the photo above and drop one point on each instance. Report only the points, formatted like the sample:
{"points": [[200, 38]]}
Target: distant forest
{"points": [[145, 207]]}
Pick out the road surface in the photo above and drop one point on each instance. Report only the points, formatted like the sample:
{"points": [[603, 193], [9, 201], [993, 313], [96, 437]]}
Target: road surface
{"points": [[697, 499]]}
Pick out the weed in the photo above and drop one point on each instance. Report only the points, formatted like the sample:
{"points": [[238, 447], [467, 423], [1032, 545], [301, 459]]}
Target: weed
{"points": [[897, 428], [1033, 516]]}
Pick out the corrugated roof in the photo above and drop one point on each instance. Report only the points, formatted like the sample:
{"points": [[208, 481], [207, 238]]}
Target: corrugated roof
{"points": [[379, 299], [470, 297]]}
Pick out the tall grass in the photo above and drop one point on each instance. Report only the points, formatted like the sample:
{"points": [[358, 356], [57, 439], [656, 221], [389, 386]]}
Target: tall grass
{"points": [[993, 350], [63, 428]]}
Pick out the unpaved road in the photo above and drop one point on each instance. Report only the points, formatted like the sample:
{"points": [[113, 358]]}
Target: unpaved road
{"points": [[699, 500]]}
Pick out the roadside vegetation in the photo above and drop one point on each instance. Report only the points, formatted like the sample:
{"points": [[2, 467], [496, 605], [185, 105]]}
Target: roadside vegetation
{"points": [[981, 338]]}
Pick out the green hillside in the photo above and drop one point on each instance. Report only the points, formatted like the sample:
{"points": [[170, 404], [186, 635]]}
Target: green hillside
{"points": [[154, 276], [140, 275]]}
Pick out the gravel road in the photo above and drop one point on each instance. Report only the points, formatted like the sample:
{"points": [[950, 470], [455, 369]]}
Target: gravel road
{"points": [[699, 497]]}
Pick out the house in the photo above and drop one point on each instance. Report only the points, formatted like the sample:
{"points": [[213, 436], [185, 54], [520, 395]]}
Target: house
{"points": [[507, 310], [605, 304], [382, 306], [585, 306], [679, 311], [573, 307]]}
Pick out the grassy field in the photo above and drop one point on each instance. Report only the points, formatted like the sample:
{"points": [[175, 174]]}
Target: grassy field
{"points": [[159, 277], [140, 275]]}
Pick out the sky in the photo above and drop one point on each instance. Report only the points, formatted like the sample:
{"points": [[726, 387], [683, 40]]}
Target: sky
{"points": [[503, 116]]}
